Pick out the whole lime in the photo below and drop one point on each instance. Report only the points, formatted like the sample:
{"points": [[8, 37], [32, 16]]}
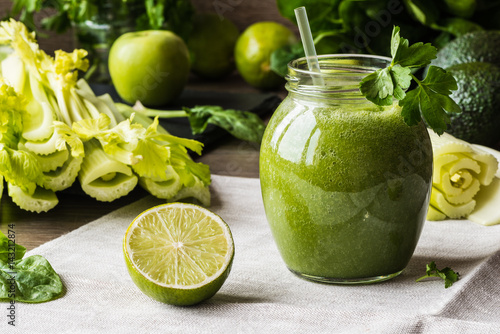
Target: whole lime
{"points": [[253, 53], [150, 66], [211, 46]]}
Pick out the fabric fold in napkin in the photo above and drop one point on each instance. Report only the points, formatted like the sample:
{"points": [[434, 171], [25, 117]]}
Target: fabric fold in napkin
{"points": [[261, 295]]}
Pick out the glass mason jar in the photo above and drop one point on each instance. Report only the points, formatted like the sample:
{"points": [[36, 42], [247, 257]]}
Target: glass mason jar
{"points": [[345, 183], [104, 24]]}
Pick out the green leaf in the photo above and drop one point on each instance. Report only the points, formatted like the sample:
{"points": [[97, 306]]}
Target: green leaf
{"points": [[378, 87], [186, 168], [396, 40], [430, 104], [156, 149], [154, 159], [447, 274], [34, 278], [401, 78], [11, 116], [9, 250], [155, 13], [323, 14], [68, 136], [411, 108], [20, 168], [416, 56], [430, 100], [440, 81], [282, 56], [241, 124]]}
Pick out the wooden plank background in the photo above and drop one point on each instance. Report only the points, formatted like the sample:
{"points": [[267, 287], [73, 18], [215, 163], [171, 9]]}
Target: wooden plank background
{"points": [[241, 12]]}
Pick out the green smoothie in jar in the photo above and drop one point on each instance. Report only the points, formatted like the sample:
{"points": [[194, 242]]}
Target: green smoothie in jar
{"points": [[345, 183]]}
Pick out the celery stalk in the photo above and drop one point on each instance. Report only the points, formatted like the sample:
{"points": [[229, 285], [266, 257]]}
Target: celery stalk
{"points": [[488, 200], [42, 200], [52, 161], [438, 200], [99, 104], [163, 189], [43, 147], [96, 168], [41, 115], [461, 171], [64, 176], [198, 191]]}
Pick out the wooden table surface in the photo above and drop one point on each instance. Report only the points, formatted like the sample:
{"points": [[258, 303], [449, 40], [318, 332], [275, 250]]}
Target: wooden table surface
{"points": [[232, 157]]}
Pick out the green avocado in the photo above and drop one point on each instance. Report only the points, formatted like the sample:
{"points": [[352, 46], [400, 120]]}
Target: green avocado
{"points": [[477, 46], [478, 96]]}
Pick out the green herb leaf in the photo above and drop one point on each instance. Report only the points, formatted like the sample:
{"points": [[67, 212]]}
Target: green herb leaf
{"points": [[430, 100], [447, 274], [34, 278], [243, 125], [401, 79], [378, 87], [415, 56], [9, 250]]}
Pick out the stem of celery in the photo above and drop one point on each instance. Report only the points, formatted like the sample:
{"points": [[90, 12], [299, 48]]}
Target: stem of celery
{"points": [[162, 113]]}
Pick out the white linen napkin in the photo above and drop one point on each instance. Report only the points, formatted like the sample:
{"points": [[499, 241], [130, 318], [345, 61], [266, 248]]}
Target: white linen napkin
{"points": [[261, 295]]}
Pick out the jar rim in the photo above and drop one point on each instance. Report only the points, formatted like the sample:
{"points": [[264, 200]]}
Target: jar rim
{"points": [[293, 65]]}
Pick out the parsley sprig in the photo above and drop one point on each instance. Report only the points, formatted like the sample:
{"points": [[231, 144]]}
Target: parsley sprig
{"points": [[447, 274], [430, 100]]}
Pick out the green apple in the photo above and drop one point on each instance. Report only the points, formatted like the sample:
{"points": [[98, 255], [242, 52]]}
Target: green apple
{"points": [[150, 66]]}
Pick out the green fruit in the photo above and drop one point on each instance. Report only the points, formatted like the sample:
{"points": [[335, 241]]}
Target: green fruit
{"points": [[462, 8], [477, 46], [253, 53], [149, 66], [211, 46], [178, 253], [477, 95]]}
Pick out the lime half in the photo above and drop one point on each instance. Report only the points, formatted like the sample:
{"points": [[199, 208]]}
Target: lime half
{"points": [[178, 253]]}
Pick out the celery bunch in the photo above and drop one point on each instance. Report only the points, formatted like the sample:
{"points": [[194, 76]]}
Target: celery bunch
{"points": [[53, 129]]}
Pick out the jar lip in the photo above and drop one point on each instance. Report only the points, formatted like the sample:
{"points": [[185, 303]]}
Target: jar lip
{"points": [[292, 65]]}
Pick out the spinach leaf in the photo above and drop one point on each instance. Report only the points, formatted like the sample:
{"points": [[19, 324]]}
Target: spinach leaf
{"points": [[322, 14], [282, 56], [9, 250], [243, 125], [33, 279]]}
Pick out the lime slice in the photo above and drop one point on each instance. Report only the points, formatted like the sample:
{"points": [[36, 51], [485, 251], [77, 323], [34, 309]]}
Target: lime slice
{"points": [[178, 253]]}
